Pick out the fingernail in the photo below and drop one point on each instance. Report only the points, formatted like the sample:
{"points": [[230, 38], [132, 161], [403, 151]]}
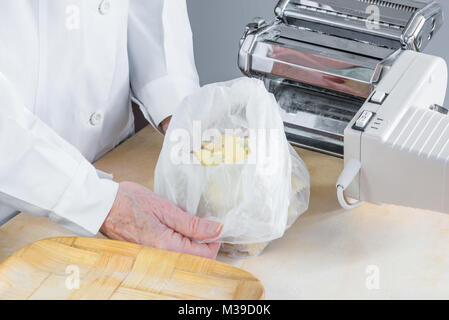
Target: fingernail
{"points": [[214, 228]]}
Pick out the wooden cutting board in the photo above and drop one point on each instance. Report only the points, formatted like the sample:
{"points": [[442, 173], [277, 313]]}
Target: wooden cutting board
{"points": [[86, 268]]}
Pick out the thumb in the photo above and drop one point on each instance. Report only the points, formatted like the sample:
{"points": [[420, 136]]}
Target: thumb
{"points": [[191, 226]]}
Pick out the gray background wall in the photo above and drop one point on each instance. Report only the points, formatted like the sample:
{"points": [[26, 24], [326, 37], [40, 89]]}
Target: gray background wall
{"points": [[218, 25]]}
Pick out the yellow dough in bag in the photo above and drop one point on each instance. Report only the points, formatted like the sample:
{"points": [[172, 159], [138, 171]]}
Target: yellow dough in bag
{"points": [[232, 150]]}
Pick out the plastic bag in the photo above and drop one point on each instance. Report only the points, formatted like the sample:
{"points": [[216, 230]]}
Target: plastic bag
{"points": [[226, 158], [299, 202]]}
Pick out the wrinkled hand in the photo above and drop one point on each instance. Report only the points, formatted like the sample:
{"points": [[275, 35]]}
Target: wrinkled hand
{"points": [[138, 215]]}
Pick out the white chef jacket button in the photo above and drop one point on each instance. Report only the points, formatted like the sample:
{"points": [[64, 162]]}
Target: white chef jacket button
{"points": [[105, 7], [95, 118]]}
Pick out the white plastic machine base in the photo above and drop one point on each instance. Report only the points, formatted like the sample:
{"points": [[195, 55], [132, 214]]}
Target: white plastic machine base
{"points": [[399, 141]]}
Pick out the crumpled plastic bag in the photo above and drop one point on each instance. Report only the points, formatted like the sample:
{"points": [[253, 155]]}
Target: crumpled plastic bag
{"points": [[226, 158]]}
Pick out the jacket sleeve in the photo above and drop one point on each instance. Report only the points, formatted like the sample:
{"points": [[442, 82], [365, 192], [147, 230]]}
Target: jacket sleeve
{"points": [[160, 48], [43, 175]]}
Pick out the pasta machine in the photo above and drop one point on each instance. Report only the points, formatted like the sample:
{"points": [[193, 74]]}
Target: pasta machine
{"points": [[351, 81]]}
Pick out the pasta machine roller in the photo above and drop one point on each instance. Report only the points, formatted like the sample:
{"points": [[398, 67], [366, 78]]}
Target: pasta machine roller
{"points": [[323, 59], [351, 81]]}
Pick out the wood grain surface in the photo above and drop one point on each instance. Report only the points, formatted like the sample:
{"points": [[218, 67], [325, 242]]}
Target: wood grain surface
{"points": [[85, 268]]}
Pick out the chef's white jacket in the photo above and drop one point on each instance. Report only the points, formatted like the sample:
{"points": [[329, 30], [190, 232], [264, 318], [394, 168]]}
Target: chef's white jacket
{"points": [[68, 70]]}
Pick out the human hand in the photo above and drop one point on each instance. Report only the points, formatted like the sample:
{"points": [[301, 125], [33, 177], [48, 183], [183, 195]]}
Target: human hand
{"points": [[140, 216]]}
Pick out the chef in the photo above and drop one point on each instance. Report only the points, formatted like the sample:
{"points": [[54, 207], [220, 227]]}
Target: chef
{"points": [[69, 70]]}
